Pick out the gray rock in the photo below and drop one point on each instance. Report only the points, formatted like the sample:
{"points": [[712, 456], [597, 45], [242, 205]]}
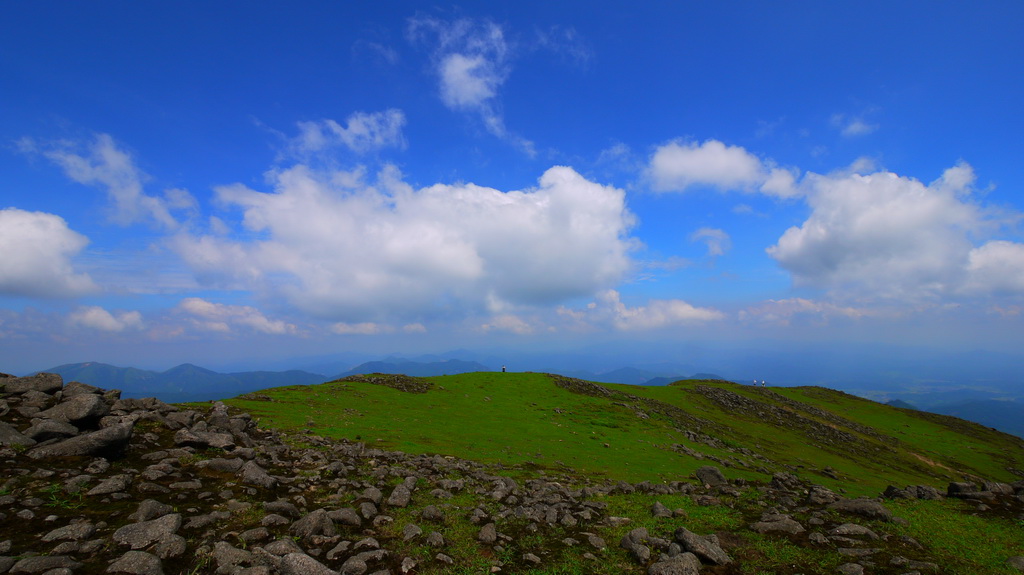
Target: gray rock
{"points": [[149, 509], [354, 566], [302, 564], [170, 546], [43, 563], [488, 534], [282, 547], [45, 429], [1016, 562], [682, 564], [107, 442], [112, 484], [710, 475], [819, 495], [73, 532], [78, 388], [315, 523], [703, 547], [659, 510], [774, 523], [79, 410], [400, 496], [867, 508], [204, 439], [221, 464], [228, 557], [850, 569], [253, 474], [435, 539], [145, 533], [432, 513], [374, 495], [346, 516], [283, 507], [411, 531], [44, 382], [368, 510], [11, 436], [852, 529]]}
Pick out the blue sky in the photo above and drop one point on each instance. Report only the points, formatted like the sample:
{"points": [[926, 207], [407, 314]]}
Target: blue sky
{"points": [[204, 182]]}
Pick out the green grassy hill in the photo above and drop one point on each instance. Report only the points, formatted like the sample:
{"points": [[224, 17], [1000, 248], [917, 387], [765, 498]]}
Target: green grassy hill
{"points": [[638, 433]]}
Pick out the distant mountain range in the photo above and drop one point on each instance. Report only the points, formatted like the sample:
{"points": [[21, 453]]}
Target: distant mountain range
{"points": [[185, 382]]}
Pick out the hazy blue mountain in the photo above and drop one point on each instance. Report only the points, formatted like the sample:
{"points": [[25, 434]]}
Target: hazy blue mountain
{"points": [[417, 369], [185, 382], [630, 375], [1006, 416], [674, 378], [900, 403]]}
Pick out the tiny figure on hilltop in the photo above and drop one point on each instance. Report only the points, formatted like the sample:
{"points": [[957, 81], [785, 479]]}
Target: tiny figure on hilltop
{"points": [[503, 369]]}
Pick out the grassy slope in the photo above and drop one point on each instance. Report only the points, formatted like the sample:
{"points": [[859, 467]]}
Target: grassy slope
{"points": [[523, 418]]}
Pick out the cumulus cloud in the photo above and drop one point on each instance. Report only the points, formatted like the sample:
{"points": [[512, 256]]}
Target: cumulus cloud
{"points": [[104, 164], [678, 166], [362, 133], [884, 235], [996, 267], [95, 317], [36, 252], [716, 240], [217, 317], [472, 60], [353, 251]]}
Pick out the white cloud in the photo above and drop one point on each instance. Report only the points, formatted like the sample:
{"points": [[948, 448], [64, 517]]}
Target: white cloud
{"points": [[608, 309], [716, 240], [852, 126], [362, 133], [36, 250], [472, 60], [678, 166], [996, 267], [363, 328], [106, 165], [508, 323], [883, 235], [96, 317], [218, 317], [786, 311], [347, 250]]}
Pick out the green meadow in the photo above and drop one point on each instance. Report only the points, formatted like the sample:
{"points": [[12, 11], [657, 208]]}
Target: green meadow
{"points": [[527, 422]]}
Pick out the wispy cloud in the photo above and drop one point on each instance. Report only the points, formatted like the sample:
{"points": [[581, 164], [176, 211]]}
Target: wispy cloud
{"points": [[102, 162], [472, 59]]}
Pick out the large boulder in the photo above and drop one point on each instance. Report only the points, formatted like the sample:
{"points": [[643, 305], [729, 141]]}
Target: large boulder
{"points": [[706, 547], [710, 475], [868, 508], [107, 442], [11, 436], [82, 410], [44, 382]]}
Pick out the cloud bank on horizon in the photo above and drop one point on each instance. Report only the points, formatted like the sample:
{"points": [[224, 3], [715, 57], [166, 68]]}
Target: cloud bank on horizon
{"points": [[435, 180]]}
